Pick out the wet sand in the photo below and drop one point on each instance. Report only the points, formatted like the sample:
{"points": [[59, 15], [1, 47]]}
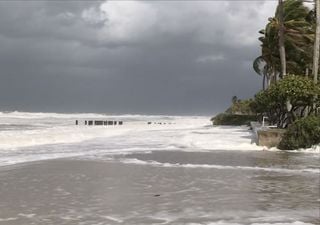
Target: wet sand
{"points": [[88, 191]]}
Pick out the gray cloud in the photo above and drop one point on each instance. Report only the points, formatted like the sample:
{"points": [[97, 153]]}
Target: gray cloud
{"points": [[128, 56]]}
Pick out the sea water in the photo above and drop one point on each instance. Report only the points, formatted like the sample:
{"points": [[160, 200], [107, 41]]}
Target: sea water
{"points": [[176, 170]]}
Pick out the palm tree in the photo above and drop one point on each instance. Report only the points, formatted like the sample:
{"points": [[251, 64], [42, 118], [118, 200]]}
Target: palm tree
{"points": [[261, 67], [234, 99], [298, 36], [282, 49], [315, 69], [286, 42], [268, 63]]}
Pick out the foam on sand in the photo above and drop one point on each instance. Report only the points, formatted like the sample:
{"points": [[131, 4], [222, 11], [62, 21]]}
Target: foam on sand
{"points": [[55, 135], [220, 138], [220, 167], [19, 131]]}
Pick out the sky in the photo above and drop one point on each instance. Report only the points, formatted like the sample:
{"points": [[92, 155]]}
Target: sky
{"points": [[129, 57]]}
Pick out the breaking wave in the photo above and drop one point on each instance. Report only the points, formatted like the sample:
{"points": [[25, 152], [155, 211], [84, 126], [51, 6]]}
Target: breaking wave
{"points": [[220, 167]]}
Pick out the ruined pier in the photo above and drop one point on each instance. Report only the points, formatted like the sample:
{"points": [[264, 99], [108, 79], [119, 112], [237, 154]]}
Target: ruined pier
{"points": [[100, 122]]}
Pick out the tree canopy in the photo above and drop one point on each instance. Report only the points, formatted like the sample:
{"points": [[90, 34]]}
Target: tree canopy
{"points": [[300, 91], [299, 30]]}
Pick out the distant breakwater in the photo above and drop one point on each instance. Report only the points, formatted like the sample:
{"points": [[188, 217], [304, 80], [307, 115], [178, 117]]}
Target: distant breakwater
{"points": [[100, 122], [112, 123]]}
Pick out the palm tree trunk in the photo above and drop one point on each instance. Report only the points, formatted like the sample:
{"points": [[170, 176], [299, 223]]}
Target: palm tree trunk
{"points": [[282, 49], [316, 44], [268, 81], [276, 76], [316, 49]]}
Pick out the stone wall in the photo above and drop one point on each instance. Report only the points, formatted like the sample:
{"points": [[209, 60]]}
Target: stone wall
{"points": [[270, 137]]}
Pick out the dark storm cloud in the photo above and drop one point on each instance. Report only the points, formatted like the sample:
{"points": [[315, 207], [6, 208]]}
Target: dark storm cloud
{"points": [[128, 56]]}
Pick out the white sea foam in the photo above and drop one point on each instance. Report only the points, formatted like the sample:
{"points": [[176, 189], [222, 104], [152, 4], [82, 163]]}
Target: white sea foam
{"points": [[112, 218], [55, 135], [234, 217], [193, 134], [292, 223], [219, 138], [31, 129], [220, 167], [8, 219], [45, 115], [230, 223], [313, 149]]}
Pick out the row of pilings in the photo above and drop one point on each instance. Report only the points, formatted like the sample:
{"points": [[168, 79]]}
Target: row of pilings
{"points": [[100, 123]]}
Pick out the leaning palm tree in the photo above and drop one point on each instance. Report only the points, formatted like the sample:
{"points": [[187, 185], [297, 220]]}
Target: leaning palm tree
{"points": [[297, 34], [315, 69], [282, 49], [294, 56], [268, 64]]}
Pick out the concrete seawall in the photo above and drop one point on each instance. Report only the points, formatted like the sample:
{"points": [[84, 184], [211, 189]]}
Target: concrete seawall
{"points": [[270, 137], [265, 136]]}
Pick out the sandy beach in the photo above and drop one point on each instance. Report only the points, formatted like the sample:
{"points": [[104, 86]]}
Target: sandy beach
{"points": [[183, 171], [163, 112], [165, 187]]}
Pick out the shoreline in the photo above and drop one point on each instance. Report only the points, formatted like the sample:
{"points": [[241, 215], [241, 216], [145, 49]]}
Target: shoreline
{"points": [[67, 191]]}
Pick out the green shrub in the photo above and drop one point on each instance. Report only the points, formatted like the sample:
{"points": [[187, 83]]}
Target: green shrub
{"points": [[303, 133], [241, 107], [299, 91], [233, 120]]}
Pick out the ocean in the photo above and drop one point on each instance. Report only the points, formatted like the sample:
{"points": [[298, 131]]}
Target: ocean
{"points": [[150, 170]]}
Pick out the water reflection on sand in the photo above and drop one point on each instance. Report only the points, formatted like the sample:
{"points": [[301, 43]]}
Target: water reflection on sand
{"points": [[164, 187]]}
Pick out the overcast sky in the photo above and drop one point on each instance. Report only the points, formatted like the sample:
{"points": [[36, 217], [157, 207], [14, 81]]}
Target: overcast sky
{"points": [[152, 57]]}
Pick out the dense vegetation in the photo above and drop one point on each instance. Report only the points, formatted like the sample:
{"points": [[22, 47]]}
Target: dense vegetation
{"points": [[240, 107], [290, 45], [302, 133], [298, 29], [239, 113], [233, 119], [301, 93], [289, 65]]}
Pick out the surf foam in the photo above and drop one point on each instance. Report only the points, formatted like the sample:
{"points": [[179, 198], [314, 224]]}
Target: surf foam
{"points": [[220, 167], [193, 134]]}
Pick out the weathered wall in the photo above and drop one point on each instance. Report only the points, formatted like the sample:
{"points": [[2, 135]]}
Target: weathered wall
{"points": [[270, 137]]}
